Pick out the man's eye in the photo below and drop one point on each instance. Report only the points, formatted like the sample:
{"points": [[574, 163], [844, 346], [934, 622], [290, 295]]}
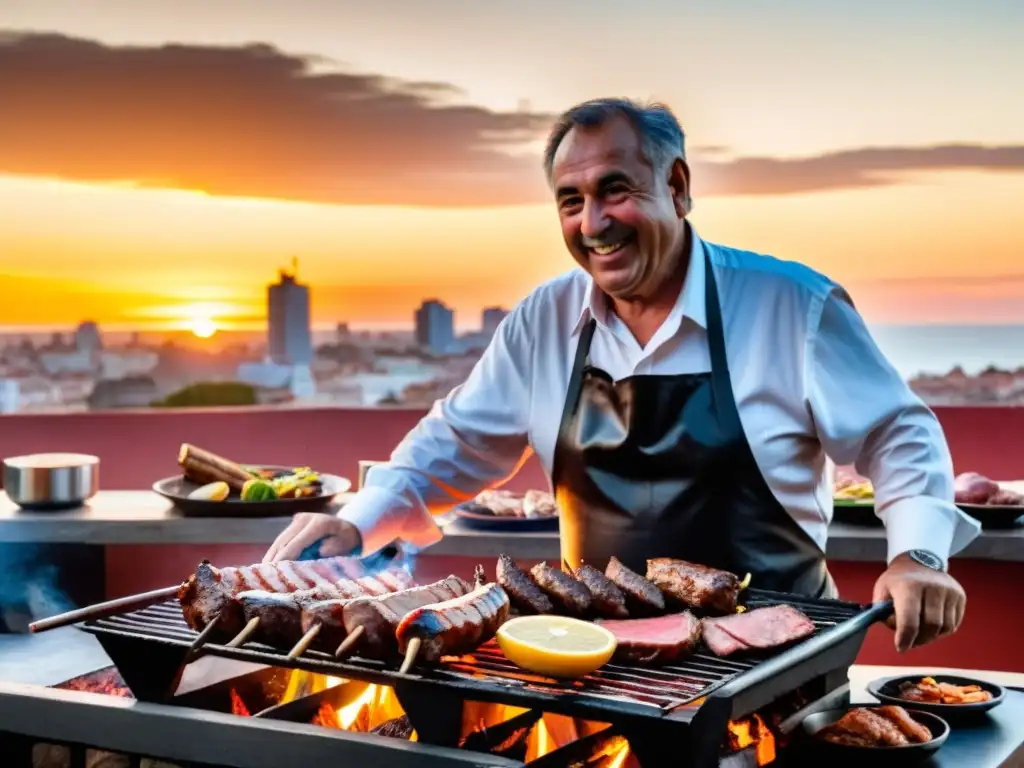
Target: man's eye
{"points": [[616, 190], [568, 203]]}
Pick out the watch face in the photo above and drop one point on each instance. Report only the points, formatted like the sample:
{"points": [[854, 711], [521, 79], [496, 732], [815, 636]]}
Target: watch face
{"points": [[926, 559]]}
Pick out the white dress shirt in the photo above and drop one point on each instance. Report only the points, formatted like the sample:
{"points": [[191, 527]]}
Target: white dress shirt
{"points": [[810, 385]]}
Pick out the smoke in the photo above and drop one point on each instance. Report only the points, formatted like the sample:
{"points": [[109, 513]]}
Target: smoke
{"points": [[29, 585]]}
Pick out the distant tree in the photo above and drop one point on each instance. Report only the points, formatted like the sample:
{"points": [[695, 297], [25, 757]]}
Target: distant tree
{"points": [[390, 399], [210, 395]]}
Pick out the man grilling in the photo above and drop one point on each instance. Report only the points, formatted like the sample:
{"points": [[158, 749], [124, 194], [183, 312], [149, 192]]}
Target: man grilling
{"points": [[683, 397]]}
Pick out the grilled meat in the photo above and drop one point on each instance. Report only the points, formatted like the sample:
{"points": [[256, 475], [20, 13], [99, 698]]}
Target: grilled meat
{"points": [[760, 628], [608, 600], [695, 586], [567, 592], [380, 616], [660, 640], [210, 591], [455, 626], [642, 597], [526, 596], [972, 488], [888, 726]]}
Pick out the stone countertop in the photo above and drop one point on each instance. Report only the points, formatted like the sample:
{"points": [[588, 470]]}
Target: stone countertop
{"points": [[143, 517]]}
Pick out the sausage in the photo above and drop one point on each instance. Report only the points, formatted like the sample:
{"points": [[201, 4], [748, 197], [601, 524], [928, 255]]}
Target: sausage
{"points": [[567, 592], [455, 626], [380, 616], [695, 586], [522, 592], [608, 600], [642, 597]]}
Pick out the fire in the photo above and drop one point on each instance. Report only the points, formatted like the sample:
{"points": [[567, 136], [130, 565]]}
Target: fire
{"points": [[238, 706], [372, 707], [753, 731]]}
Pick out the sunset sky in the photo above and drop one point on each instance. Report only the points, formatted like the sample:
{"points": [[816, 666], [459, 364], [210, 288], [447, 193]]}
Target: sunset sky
{"points": [[159, 160]]}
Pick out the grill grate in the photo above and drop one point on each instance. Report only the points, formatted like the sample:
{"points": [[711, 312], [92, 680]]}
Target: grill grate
{"points": [[487, 675]]}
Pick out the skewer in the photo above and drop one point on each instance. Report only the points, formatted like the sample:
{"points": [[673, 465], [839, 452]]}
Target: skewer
{"points": [[348, 642], [200, 641], [102, 610], [247, 630], [410, 655], [304, 642], [746, 582]]}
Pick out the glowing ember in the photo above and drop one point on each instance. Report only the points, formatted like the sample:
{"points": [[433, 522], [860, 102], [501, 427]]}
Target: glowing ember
{"points": [[105, 681], [753, 731], [238, 706], [374, 706]]}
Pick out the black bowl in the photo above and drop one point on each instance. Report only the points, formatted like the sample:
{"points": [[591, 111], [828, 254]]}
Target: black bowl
{"points": [[995, 516], [887, 690], [177, 488], [873, 756]]}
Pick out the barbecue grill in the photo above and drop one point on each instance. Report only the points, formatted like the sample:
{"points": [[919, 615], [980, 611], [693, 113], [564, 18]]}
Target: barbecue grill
{"points": [[686, 706]]}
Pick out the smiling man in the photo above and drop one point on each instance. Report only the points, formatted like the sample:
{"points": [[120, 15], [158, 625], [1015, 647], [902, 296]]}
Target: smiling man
{"points": [[683, 396]]}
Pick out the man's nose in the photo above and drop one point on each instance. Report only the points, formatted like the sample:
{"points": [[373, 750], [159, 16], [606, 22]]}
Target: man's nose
{"points": [[594, 220]]}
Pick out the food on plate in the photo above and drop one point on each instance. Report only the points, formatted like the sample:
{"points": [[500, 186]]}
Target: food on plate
{"points": [[972, 488], [759, 629], [660, 640], [250, 483], [642, 597], [556, 646], [539, 504], [203, 467], [567, 592], [210, 592], [258, 490], [862, 491], [928, 691], [522, 591], [607, 599], [452, 627], [217, 491], [376, 619], [886, 726], [696, 586]]}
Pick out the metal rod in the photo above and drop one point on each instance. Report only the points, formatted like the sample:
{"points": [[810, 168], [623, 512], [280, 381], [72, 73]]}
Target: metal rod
{"points": [[101, 610]]}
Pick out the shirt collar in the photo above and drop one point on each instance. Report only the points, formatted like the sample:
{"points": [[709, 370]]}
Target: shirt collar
{"points": [[690, 303]]}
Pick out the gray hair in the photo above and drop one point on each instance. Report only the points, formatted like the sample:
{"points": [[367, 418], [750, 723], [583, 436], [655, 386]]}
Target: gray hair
{"points": [[661, 137]]}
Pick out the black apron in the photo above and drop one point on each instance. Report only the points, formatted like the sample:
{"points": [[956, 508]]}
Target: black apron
{"points": [[659, 466]]}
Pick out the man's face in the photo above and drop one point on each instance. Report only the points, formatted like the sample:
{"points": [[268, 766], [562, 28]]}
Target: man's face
{"points": [[621, 221]]}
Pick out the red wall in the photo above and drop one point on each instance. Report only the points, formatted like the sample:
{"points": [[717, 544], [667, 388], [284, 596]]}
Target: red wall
{"points": [[139, 447]]}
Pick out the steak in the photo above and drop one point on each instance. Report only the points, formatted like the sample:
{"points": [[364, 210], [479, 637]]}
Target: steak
{"points": [[660, 640], [523, 593], [695, 586], [642, 597], [567, 592], [759, 629], [608, 599]]}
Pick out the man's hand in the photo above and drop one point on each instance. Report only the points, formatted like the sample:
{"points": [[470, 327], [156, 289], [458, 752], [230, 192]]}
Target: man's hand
{"points": [[928, 604], [336, 537]]}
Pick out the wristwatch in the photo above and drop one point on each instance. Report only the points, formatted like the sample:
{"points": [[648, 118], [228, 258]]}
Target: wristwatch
{"points": [[927, 559]]}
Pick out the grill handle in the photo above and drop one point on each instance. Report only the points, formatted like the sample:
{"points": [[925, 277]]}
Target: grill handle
{"points": [[757, 687]]}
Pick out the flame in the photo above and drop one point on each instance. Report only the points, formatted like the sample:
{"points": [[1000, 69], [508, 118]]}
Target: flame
{"points": [[372, 707], [753, 731]]}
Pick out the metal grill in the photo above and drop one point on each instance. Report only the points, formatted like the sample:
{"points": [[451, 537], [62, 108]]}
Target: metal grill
{"points": [[615, 690]]}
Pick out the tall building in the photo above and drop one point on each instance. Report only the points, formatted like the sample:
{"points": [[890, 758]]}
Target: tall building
{"points": [[491, 318], [290, 336], [435, 327]]}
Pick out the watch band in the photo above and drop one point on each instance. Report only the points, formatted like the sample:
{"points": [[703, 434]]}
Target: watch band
{"points": [[927, 559]]}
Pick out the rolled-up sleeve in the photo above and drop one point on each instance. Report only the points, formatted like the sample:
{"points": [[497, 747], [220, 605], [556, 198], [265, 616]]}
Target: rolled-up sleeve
{"points": [[471, 440], [866, 415]]}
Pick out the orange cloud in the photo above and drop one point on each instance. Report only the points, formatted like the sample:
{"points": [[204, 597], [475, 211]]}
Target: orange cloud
{"points": [[258, 122]]}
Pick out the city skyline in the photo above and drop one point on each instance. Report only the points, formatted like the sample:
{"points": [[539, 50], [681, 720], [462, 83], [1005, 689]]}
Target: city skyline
{"points": [[860, 143]]}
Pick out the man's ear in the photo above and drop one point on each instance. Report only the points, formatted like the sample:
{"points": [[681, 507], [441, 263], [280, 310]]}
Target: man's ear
{"points": [[679, 183]]}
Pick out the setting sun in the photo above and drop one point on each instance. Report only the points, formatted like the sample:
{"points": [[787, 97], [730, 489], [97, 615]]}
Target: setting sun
{"points": [[203, 327]]}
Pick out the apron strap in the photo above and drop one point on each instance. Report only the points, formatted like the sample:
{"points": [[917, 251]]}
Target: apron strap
{"points": [[572, 393], [721, 383]]}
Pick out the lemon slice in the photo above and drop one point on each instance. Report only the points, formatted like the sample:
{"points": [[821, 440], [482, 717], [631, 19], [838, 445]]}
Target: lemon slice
{"points": [[556, 646]]}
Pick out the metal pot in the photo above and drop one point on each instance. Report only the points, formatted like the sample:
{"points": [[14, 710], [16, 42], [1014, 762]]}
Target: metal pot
{"points": [[51, 480]]}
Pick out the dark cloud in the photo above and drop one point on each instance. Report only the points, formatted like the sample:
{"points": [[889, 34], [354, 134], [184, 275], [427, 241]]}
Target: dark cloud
{"points": [[255, 121]]}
